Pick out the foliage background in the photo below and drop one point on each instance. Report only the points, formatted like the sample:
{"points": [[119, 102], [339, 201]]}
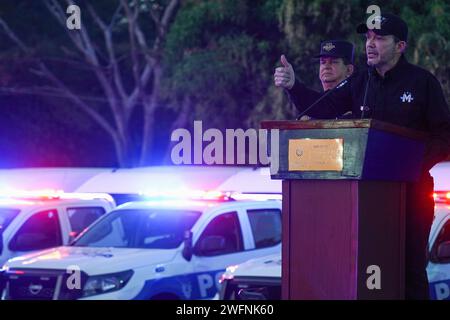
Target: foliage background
{"points": [[217, 60]]}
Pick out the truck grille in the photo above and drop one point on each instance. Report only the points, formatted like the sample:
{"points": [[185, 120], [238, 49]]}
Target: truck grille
{"points": [[39, 285], [251, 288]]}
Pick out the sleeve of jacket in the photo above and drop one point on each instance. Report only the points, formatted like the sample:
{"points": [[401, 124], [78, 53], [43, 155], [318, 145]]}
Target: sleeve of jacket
{"points": [[330, 107], [438, 121]]}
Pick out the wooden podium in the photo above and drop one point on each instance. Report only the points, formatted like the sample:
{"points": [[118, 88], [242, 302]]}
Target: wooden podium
{"points": [[344, 206]]}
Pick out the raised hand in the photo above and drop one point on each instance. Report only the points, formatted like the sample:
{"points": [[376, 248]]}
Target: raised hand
{"points": [[284, 76]]}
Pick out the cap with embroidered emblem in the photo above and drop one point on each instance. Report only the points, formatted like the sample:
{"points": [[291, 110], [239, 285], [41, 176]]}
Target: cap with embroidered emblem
{"points": [[336, 49], [390, 24]]}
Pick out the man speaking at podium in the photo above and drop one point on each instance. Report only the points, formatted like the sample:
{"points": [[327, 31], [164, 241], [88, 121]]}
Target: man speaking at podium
{"points": [[395, 91]]}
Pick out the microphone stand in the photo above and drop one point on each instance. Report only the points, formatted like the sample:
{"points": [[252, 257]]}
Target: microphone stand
{"points": [[341, 84], [364, 108]]}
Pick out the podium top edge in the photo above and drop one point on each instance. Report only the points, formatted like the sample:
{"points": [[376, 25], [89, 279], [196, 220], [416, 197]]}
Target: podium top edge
{"points": [[343, 124]]}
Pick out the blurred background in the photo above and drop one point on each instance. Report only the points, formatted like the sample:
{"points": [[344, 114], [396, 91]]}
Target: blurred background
{"points": [[111, 93]]}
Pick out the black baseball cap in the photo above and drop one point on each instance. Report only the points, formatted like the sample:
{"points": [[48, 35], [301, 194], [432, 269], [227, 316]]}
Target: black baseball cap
{"points": [[337, 49], [390, 24]]}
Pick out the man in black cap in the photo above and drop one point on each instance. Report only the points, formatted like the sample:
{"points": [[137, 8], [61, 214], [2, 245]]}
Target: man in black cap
{"points": [[336, 64], [395, 91]]}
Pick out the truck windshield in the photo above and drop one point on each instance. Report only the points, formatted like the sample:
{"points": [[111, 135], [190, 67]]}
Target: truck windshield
{"points": [[6, 217], [146, 229]]}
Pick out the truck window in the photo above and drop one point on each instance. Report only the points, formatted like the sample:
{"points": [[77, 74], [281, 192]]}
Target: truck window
{"points": [[144, 229], [41, 231], [82, 217], [6, 217], [222, 236], [266, 227], [444, 236]]}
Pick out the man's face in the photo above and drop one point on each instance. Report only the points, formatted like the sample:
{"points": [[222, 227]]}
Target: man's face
{"points": [[380, 50], [333, 70]]}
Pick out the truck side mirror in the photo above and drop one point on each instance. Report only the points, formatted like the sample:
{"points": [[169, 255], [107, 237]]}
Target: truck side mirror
{"points": [[187, 248], [212, 245], [443, 251]]}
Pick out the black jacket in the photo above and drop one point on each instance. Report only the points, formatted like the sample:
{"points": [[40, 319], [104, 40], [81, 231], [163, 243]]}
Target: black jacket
{"points": [[407, 96]]}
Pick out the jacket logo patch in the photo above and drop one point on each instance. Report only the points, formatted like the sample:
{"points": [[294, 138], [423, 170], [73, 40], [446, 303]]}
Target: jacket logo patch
{"points": [[407, 97]]}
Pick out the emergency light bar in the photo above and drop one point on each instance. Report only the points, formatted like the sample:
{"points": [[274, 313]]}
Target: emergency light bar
{"points": [[10, 201], [50, 194], [256, 196], [42, 194], [183, 194], [441, 196]]}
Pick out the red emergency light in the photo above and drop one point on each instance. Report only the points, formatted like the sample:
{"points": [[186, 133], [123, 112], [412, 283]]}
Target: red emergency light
{"points": [[441, 196]]}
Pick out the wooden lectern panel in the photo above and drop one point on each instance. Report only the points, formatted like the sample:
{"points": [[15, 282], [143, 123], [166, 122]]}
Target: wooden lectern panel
{"points": [[334, 230]]}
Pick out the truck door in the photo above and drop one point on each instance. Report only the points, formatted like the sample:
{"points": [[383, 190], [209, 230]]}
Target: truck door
{"points": [[40, 231], [219, 245], [439, 267]]}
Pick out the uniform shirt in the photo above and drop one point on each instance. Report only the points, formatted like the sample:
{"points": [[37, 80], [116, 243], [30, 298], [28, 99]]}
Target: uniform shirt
{"points": [[407, 96]]}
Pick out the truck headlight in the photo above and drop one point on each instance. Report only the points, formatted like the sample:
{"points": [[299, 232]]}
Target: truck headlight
{"points": [[106, 283]]}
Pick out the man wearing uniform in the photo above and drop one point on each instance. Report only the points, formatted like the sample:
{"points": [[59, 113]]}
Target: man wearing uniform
{"points": [[395, 91], [335, 65]]}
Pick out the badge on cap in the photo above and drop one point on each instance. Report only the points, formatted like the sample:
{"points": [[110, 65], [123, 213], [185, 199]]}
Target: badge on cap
{"points": [[329, 46], [379, 19]]}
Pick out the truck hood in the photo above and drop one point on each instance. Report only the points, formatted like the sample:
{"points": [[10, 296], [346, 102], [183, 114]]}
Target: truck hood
{"points": [[268, 266], [93, 261]]}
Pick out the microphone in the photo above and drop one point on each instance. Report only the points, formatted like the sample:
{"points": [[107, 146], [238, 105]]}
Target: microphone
{"points": [[364, 108], [341, 84]]}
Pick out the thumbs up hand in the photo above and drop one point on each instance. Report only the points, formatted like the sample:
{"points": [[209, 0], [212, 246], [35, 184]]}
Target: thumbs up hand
{"points": [[284, 76]]}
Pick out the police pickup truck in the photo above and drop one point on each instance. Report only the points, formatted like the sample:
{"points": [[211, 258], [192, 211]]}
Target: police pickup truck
{"points": [[41, 219], [260, 279], [165, 249]]}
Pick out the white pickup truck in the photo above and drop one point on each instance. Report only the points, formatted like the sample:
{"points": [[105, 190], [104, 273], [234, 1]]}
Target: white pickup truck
{"points": [[36, 220], [150, 250]]}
